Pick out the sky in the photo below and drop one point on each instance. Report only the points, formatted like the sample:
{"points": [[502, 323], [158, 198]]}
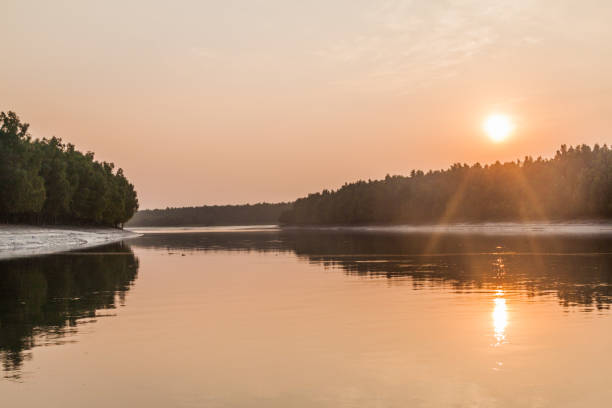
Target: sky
{"points": [[228, 102]]}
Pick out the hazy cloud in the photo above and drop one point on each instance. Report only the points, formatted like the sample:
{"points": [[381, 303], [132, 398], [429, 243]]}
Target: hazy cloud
{"points": [[411, 43], [203, 53]]}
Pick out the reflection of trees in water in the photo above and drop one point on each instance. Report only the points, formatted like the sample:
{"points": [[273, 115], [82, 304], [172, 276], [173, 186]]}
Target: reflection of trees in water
{"points": [[576, 280], [577, 269], [43, 299]]}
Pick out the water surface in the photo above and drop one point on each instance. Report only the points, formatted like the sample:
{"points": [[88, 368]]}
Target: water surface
{"points": [[321, 318]]}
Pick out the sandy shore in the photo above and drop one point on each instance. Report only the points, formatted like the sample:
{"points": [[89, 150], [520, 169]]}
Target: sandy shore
{"points": [[24, 240]]}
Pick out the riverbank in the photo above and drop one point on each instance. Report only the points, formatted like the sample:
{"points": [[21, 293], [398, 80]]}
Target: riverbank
{"points": [[595, 227], [26, 240]]}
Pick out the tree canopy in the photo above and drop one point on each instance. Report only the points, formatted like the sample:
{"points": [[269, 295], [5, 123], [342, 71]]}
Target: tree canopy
{"points": [[575, 184], [48, 181]]}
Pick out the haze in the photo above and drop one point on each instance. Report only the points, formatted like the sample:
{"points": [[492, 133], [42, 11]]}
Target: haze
{"points": [[232, 102]]}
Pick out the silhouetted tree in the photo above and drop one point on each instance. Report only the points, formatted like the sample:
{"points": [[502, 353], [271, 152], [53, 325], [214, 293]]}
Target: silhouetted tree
{"points": [[575, 184], [47, 181]]}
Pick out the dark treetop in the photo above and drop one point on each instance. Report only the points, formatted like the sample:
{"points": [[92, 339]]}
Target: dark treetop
{"points": [[575, 184], [46, 181]]}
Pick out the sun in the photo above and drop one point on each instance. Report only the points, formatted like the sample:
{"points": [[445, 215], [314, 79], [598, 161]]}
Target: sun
{"points": [[498, 127]]}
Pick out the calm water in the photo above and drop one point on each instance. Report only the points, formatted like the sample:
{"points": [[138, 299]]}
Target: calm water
{"points": [[264, 318]]}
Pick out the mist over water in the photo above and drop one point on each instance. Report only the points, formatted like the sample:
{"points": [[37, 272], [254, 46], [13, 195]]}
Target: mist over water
{"points": [[320, 317]]}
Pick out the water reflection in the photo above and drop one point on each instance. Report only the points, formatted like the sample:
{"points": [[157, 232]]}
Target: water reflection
{"points": [[500, 317], [44, 299], [577, 270], [313, 319], [500, 314]]}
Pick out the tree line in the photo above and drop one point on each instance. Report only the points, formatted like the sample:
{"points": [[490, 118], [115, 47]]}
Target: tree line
{"points": [[48, 181], [211, 215], [575, 184]]}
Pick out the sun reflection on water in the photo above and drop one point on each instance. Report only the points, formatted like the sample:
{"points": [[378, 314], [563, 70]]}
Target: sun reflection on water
{"points": [[500, 317], [500, 311]]}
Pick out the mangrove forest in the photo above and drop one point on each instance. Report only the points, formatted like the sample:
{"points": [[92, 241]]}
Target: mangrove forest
{"points": [[46, 181]]}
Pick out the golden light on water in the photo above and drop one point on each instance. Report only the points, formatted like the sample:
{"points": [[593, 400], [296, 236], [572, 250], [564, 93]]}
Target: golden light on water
{"points": [[498, 127], [500, 317]]}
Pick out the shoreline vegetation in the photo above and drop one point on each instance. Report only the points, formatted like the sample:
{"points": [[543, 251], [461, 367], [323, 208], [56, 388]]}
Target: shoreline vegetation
{"points": [[44, 181], [47, 182], [573, 186], [576, 184], [210, 215]]}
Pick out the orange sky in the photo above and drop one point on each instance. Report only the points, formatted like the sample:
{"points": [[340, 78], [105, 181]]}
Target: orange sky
{"points": [[245, 101]]}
